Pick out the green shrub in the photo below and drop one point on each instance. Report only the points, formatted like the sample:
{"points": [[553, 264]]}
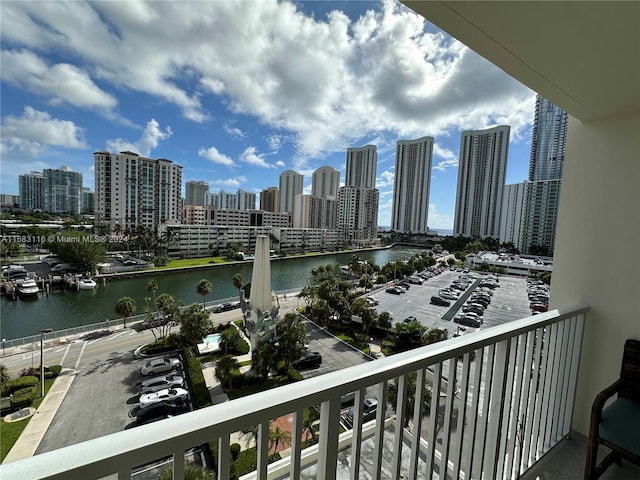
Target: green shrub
{"points": [[240, 346], [235, 451], [24, 397], [21, 382], [55, 370]]}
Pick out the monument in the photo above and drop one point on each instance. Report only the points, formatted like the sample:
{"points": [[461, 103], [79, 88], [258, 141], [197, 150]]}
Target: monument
{"points": [[260, 311]]}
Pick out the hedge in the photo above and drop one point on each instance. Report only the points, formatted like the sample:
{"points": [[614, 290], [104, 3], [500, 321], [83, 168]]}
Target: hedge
{"points": [[21, 383], [24, 397], [200, 390]]}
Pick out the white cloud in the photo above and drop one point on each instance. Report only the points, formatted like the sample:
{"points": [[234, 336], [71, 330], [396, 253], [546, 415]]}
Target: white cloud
{"points": [[386, 73], [230, 182], [385, 179], [438, 220], [251, 157], [215, 156], [235, 132], [280, 164], [62, 82], [449, 159], [35, 130], [149, 139]]}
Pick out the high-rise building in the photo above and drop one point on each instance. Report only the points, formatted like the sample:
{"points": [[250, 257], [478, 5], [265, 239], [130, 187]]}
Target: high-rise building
{"points": [[290, 186], [325, 182], [540, 216], [357, 214], [196, 192], [361, 168], [411, 185], [314, 212], [511, 215], [246, 200], [31, 191], [62, 190], [131, 190], [548, 141], [542, 199], [88, 200], [269, 199], [481, 174]]}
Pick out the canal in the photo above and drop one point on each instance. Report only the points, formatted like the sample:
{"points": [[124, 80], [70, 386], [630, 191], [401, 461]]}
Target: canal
{"points": [[65, 309]]}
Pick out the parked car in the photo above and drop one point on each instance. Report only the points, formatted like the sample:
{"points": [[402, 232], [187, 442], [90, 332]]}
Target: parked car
{"points": [[168, 394], [160, 383], [539, 307], [61, 268], [440, 301], [410, 319], [473, 309], [51, 261], [393, 290], [310, 360], [372, 300], [369, 407], [416, 280], [448, 295], [404, 284], [160, 365], [224, 307], [468, 321], [145, 413]]}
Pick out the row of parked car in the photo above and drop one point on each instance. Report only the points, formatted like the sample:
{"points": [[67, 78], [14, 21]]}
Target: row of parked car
{"points": [[403, 285], [538, 294], [161, 396], [472, 312]]}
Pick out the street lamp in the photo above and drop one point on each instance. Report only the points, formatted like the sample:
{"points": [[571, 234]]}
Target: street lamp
{"points": [[42, 332], [3, 341]]}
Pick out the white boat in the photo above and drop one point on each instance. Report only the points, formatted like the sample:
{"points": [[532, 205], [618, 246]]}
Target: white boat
{"points": [[86, 284], [28, 287]]}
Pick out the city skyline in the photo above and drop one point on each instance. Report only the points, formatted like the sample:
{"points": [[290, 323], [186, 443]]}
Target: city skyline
{"points": [[311, 84]]}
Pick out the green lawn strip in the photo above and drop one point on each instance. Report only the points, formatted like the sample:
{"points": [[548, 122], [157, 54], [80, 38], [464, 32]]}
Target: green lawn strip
{"points": [[11, 431], [192, 262], [268, 384]]}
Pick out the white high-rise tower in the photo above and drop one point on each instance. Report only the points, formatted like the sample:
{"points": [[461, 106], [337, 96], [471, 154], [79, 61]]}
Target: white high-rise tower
{"points": [[325, 182], [411, 185], [481, 174], [290, 186]]}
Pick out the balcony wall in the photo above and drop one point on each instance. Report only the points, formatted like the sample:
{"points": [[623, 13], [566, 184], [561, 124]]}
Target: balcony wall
{"points": [[596, 257], [501, 398]]}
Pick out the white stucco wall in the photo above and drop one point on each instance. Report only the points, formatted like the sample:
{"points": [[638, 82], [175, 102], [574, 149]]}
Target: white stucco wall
{"points": [[596, 259]]}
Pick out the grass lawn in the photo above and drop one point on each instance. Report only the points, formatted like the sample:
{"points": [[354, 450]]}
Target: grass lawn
{"points": [[192, 262], [11, 431]]}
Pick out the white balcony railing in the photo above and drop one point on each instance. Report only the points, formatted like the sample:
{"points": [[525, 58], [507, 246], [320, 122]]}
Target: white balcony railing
{"points": [[510, 401]]}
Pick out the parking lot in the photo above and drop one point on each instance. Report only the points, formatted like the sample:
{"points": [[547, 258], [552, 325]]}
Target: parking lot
{"points": [[509, 302]]}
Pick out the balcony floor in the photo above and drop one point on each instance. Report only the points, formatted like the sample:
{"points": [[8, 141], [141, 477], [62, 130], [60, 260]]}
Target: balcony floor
{"points": [[567, 459]]}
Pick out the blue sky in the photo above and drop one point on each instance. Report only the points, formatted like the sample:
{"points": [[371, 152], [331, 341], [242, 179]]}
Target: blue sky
{"points": [[238, 91]]}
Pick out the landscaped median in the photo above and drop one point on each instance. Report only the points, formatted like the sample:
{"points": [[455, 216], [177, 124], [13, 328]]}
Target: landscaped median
{"points": [[25, 391]]}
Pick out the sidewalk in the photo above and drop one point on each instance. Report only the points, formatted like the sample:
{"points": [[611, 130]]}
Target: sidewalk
{"points": [[32, 435]]}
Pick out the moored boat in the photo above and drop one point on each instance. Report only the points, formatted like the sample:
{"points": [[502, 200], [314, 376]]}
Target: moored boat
{"points": [[28, 287], [86, 284]]}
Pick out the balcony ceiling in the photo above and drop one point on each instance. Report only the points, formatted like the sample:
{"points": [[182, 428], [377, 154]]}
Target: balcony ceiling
{"points": [[584, 56]]}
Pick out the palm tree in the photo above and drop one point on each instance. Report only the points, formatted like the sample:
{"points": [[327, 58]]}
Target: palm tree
{"points": [[224, 368], [204, 288], [4, 375], [385, 321], [278, 436], [125, 307], [310, 425], [152, 287], [237, 281]]}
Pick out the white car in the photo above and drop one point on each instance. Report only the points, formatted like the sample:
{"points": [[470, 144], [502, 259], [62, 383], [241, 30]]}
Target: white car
{"points": [[168, 394], [160, 383], [160, 365], [372, 300]]}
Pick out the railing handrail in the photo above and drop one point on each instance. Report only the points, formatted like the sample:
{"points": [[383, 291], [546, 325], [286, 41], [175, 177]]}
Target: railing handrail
{"points": [[149, 442]]}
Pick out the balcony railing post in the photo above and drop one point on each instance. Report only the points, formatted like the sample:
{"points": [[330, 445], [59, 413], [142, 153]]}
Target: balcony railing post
{"points": [[399, 427], [224, 452], [263, 450], [381, 395], [329, 428], [296, 443], [356, 440]]}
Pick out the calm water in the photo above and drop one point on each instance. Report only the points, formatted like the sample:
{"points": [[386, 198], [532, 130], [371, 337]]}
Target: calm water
{"points": [[65, 309]]}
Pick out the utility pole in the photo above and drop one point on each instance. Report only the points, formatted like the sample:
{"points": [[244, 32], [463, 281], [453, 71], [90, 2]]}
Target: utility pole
{"points": [[42, 332]]}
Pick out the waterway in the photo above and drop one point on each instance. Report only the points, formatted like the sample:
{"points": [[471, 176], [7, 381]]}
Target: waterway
{"points": [[65, 309]]}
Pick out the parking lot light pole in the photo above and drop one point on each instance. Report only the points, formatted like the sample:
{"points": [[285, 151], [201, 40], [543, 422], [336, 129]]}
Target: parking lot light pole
{"points": [[3, 345], [42, 332]]}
